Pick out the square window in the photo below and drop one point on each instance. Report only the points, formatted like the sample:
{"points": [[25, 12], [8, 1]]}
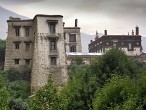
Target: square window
{"points": [[73, 48], [16, 61], [53, 60], [72, 38], [27, 61]]}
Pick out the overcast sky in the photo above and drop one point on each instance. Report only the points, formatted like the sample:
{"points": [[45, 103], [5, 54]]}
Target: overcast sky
{"points": [[117, 16]]}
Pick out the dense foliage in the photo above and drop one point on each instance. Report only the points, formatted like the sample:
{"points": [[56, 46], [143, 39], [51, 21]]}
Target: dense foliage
{"points": [[2, 53], [122, 93], [18, 88], [4, 95], [112, 82]]}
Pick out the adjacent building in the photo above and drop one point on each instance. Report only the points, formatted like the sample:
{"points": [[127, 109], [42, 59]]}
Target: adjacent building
{"points": [[130, 44], [41, 43]]}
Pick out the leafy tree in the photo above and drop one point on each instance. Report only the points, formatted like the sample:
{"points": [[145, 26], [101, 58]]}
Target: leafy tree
{"points": [[45, 98], [18, 86], [19, 91], [113, 62], [78, 93], [113, 94], [2, 53], [4, 95], [122, 93], [13, 74]]}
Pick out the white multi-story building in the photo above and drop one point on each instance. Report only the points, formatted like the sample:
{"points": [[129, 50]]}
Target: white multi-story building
{"points": [[41, 43]]}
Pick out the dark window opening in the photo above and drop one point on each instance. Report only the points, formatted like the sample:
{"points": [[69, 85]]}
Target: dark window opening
{"points": [[17, 46], [64, 36], [72, 48], [27, 61], [17, 31], [27, 31], [72, 38], [52, 27], [27, 48], [53, 45], [53, 60], [16, 61]]}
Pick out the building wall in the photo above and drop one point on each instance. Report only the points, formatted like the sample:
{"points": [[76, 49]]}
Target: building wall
{"points": [[107, 42], [76, 31], [40, 53], [21, 53]]}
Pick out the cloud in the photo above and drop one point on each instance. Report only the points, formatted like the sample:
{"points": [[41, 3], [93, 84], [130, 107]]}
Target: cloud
{"points": [[19, 2]]}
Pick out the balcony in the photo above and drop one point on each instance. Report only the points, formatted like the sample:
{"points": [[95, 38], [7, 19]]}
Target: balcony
{"points": [[53, 35]]}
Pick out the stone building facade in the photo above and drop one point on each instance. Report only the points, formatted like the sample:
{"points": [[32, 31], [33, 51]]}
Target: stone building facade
{"points": [[130, 44], [41, 43]]}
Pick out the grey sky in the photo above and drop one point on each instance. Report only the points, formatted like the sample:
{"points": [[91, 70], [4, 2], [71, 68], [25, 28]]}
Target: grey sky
{"points": [[118, 16]]}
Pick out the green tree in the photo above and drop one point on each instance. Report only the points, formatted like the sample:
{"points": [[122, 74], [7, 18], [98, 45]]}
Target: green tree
{"points": [[4, 95], [18, 86], [19, 91], [113, 62], [2, 53], [45, 98], [78, 93], [122, 93], [113, 94]]}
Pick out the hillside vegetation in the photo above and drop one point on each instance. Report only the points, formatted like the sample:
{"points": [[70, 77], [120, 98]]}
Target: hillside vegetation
{"points": [[112, 82]]}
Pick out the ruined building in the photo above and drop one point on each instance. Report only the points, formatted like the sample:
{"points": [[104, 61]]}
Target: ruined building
{"points": [[130, 44], [41, 43]]}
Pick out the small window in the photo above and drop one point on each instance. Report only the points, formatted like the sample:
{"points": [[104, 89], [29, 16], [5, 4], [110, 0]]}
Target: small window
{"points": [[17, 46], [73, 48], [53, 60], [16, 61], [130, 48], [27, 48], [27, 31], [64, 36], [17, 31], [53, 45], [114, 45], [52, 27], [27, 61], [72, 38]]}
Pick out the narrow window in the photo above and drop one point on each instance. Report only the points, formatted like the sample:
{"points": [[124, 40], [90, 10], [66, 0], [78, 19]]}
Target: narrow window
{"points": [[73, 48], [27, 31], [52, 27], [64, 36], [27, 61], [130, 48], [16, 61], [17, 31], [53, 45], [17, 46], [27, 48], [72, 38], [114, 45], [53, 60]]}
